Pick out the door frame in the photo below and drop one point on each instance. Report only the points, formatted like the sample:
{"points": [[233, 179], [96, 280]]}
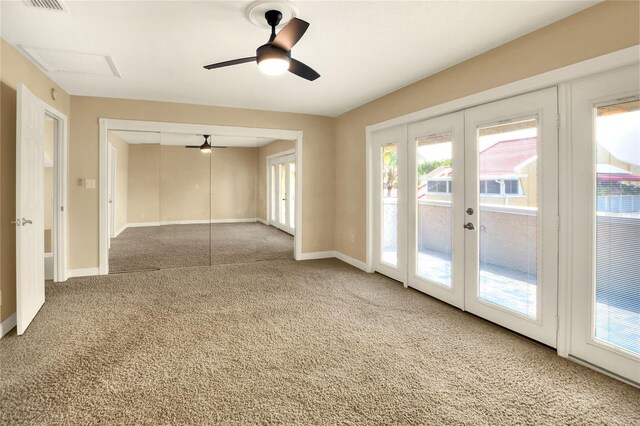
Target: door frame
{"points": [[560, 77], [60, 229], [107, 124], [269, 182]]}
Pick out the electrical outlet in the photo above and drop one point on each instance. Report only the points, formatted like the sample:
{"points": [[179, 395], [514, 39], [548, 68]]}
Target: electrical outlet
{"points": [[90, 184], [352, 238], [196, 186]]}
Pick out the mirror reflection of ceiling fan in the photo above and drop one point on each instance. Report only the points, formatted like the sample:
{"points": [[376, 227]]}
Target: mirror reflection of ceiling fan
{"points": [[206, 147]]}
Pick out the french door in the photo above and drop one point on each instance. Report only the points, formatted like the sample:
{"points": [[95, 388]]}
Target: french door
{"points": [[605, 222], [282, 192], [466, 209], [511, 213]]}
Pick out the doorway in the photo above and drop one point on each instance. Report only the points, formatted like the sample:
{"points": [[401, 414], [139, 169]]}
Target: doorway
{"points": [[281, 190], [465, 210]]}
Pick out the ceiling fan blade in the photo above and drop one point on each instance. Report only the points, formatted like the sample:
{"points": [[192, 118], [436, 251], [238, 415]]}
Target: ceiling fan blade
{"points": [[218, 146], [229, 63], [193, 146], [290, 34], [302, 70]]}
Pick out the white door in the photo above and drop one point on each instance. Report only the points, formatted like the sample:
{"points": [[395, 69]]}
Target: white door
{"points": [[389, 177], [436, 207], [605, 222], [282, 180], [29, 207], [511, 213]]}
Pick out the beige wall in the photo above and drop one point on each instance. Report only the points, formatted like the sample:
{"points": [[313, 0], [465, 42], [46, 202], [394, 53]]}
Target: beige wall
{"points": [[122, 180], [174, 184], [263, 152], [143, 189], [601, 29], [15, 69], [233, 183]]}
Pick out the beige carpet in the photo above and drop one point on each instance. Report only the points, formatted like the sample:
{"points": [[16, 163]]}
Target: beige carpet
{"points": [[176, 246], [314, 342]]}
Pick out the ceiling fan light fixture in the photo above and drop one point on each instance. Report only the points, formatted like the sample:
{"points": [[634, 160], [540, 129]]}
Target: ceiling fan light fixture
{"points": [[205, 148], [274, 66]]}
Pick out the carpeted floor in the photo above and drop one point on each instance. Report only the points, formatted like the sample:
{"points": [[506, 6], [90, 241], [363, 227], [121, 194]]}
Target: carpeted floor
{"points": [[176, 246], [284, 342]]}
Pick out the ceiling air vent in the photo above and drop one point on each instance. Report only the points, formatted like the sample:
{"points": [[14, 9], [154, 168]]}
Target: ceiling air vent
{"points": [[56, 5]]}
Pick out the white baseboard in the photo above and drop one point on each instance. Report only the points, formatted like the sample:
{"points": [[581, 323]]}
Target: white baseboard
{"points": [[261, 220], [189, 222], [83, 272], [351, 261], [241, 220], [141, 224], [7, 325], [317, 255], [121, 230], [335, 254]]}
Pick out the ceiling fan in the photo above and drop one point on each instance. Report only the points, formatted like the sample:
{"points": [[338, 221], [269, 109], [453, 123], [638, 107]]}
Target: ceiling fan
{"points": [[205, 147], [274, 57]]}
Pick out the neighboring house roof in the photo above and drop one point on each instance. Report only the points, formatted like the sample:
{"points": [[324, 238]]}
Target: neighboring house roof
{"points": [[503, 158], [497, 161]]}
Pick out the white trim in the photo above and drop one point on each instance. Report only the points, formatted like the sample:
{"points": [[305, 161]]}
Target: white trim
{"points": [[121, 230], [333, 254], [60, 229], [106, 124], [212, 129], [84, 272], [575, 71], [602, 371], [189, 222], [565, 198], [8, 325], [262, 221], [313, 255], [351, 261]]}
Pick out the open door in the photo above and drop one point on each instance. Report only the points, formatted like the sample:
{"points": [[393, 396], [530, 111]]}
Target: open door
{"points": [[29, 207]]}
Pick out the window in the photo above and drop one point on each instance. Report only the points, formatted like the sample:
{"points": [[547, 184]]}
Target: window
{"points": [[512, 187], [439, 186], [489, 187]]}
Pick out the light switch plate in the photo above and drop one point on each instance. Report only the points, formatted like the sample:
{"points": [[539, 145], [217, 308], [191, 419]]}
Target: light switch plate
{"points": [[90, 183]]}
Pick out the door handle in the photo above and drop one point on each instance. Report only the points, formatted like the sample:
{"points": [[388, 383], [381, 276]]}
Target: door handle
{"points": [[16, 222], [469, 211], [469, 226], [26, 221]]}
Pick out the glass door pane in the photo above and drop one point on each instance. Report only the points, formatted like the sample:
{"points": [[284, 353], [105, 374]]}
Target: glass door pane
{"points": [[389, 207], [508, 215], [274, 194], [282, 197], [434, 212], [617, 234]]}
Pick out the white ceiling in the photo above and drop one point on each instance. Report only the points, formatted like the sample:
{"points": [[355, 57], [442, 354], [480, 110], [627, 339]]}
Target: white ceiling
{"points": [[179, 139], [362, 49]]}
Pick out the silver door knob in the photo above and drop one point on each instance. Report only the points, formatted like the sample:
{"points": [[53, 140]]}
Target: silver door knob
{"points": [[469, 226], [16, 222]]}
